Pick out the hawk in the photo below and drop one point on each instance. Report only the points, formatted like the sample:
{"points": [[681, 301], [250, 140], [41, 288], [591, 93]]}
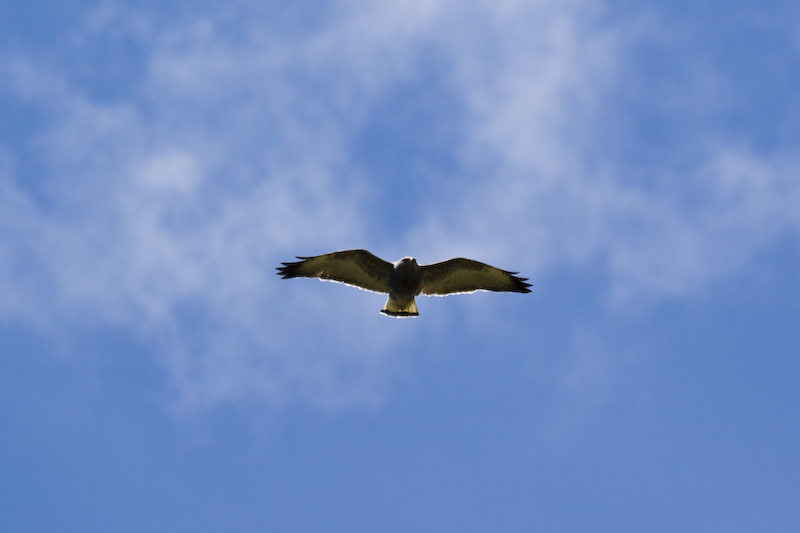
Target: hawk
{"points": [[404, 279]]}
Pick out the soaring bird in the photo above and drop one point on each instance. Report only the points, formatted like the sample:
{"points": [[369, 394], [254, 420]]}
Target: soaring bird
{"points": [[404, 279]]}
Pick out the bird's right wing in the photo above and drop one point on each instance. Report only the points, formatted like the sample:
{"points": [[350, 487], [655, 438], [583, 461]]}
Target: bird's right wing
{"points": [[461, 275], [353, 267]]}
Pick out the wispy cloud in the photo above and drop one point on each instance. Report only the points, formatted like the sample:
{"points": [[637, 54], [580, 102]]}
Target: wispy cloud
{"points": [[164, 204], [556, 179]]}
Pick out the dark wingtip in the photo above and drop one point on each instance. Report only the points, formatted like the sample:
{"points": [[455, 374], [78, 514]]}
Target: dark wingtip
{"points": [[289, 270], [520, 284]]}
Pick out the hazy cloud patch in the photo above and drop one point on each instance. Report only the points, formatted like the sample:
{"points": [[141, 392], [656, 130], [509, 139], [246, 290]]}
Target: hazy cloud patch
{"points": [[168, 205]]}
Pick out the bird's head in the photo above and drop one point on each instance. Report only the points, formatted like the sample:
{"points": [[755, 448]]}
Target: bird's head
{"points": [[406, 263]]}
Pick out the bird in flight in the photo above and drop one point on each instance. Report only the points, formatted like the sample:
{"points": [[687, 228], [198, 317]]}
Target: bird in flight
{"points": [[404, 279]]}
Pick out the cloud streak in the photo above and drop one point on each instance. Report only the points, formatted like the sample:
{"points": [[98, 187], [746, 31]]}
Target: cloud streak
{"points": [[165, 205]]}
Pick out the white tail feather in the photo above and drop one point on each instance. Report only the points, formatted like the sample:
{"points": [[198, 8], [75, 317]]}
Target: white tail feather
{"points": [[394, 308]]}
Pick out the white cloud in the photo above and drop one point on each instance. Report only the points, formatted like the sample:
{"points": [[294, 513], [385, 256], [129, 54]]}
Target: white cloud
{"points": [[168, 206], [166, 213], [554, 186]]}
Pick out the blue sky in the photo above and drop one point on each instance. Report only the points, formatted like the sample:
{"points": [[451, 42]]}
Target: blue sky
{"points": [[637, 161]]}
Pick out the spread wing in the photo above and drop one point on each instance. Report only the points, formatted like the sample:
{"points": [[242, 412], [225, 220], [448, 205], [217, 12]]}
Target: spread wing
{"points": [[465, 275], [353, 267]]}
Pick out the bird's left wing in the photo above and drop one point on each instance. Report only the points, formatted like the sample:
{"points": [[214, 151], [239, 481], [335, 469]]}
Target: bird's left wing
{"points": [[465, 275], [353, 267]]}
